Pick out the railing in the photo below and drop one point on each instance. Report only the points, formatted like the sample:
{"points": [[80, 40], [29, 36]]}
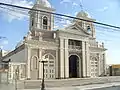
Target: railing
{"points": [[98, 45], [72, 47]]}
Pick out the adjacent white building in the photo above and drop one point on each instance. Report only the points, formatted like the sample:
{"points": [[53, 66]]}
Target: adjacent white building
{"points": [[72, 52]]}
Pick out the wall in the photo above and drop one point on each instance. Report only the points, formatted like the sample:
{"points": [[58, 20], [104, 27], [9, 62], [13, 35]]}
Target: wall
{"points": [[17, 57]]}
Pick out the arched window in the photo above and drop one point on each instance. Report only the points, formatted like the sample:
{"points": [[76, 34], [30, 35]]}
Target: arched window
{"points": [[34, 63], [32, 22], [45, 22], [50, 66], [88, 29]]}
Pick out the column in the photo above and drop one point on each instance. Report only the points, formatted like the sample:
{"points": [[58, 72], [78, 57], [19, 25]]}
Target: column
{"points": [[66, 59], [28, 62], [104, 63], [12, 78], [88, 59], [40, 64], [61, 58], [99, 65], [83, 60], [52, 22], [38, 19]]}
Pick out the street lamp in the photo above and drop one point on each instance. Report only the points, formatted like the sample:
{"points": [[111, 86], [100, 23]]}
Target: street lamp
{"points": [[43, 61]]}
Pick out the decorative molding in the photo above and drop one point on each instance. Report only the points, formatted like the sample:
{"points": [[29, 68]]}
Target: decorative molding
{"points": [[69, 35], [42, 44]]}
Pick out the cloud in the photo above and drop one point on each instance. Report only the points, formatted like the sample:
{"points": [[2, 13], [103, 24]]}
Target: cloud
{"points": [[62, 21], [11, 13], [65, 1], [103, 9], [56, 26], [76, 13], [3, 42], [69, 2], [75, 4], [68, 22]]}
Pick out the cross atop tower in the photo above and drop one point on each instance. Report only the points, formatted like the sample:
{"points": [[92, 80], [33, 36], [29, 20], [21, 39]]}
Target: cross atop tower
{"points": [[81, 6]]}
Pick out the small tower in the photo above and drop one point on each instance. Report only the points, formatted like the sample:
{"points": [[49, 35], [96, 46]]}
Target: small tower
{"points": [[88, 26], [41, 20]]}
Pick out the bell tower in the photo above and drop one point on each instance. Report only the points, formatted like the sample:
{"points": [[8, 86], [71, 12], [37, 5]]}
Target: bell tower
{"points": [[86, 25], [41, 19]]}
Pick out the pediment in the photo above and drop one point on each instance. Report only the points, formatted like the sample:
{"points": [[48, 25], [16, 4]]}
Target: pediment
{"points": [[75, 29]]}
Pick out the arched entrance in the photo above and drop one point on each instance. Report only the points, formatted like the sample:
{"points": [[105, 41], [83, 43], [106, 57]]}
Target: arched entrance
{"points": [[73, 66]]}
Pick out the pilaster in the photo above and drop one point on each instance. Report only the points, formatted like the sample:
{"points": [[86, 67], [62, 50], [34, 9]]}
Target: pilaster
{"points": [[40, 64], [11, 71], [66, 59], [99, 65], [83, 60], [88, 59], [56, 65], [104, 63], [52, 22], [28, 62], [62, 58]]}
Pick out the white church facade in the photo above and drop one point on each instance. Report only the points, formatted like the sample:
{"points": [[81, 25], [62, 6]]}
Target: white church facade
{"points": [[71, 52]]}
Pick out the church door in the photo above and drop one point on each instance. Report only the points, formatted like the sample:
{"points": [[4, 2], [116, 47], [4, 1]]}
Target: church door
{"points": [[73, 66]]}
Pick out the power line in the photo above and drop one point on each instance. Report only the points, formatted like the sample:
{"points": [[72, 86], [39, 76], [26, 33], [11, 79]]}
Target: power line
{"points": [[9, 13], [100, 33], [56, 17], [108, 25], [107, 28], [11, 9], [60, 19]]}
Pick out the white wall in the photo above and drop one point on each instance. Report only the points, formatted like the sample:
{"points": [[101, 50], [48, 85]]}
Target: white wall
{"points": [[18, 57]]}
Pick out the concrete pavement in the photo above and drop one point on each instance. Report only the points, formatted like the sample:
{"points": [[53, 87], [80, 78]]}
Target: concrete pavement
{"points": [[7, 87], [86, 87]]}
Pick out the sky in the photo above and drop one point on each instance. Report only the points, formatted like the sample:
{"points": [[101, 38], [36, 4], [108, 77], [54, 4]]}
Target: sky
{"points": [[14, 26]]}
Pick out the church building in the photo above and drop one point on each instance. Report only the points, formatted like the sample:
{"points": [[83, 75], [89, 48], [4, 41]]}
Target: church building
{"points": [[70, 52]]}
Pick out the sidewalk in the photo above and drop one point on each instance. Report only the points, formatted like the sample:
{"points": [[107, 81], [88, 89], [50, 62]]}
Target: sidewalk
{"points": [[86, 87], [7, 87]]}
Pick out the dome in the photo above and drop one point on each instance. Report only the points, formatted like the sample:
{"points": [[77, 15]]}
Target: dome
{"points": [[83, 14], [44, 3]]}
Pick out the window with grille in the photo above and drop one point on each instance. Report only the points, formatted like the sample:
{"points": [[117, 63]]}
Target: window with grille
{"points": [[50, 66], [45, 22]]}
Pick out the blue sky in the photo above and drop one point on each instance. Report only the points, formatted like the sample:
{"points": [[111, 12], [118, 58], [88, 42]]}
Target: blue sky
{"points": [[15, 26]]}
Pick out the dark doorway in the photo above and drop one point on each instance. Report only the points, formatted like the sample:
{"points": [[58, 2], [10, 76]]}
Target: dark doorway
{"points": [[73, 66]]}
